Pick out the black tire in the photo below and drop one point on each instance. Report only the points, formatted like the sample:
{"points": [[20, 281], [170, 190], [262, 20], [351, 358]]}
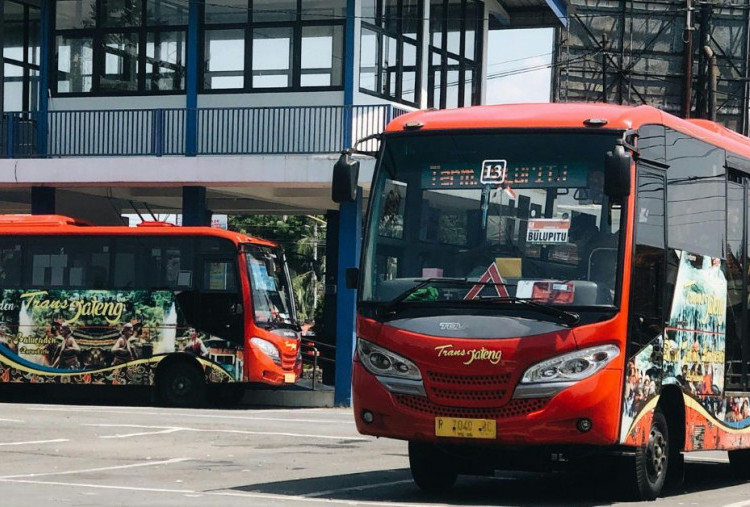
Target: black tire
{"points": [[432, 470], [182, 385], [651, 461], [740, 462]]}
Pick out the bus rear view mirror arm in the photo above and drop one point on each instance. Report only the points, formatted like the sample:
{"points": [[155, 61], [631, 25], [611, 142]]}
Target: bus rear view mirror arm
{"points": [[617, 172]]}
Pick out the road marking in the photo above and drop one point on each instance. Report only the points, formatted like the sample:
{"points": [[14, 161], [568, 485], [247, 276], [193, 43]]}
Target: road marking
{"points": [[101, 469], [743, 503], [240, 432], [143, 433], [11, 420], [241, 494], [349, 421], [36, 442], [358, 488]]}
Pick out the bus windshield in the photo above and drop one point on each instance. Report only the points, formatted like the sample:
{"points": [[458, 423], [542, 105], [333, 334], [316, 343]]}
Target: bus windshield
{"points": [[462, 217], [271, 287]]}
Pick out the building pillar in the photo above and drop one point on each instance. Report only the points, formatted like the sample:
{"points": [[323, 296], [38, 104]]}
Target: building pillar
{"points": [[42, 200], [350, 237], [329, 294], [194, 211], [191, 80], [44, 72], [349, 72]]}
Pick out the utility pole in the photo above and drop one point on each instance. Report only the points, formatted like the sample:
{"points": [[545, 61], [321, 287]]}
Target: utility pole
{"points": [[687, 90], [604, 67], [701, 106], [713, 78]]}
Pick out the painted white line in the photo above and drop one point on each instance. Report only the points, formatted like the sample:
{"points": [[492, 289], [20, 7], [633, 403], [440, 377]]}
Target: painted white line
{"points": [[144, 433], [349, 420], [357, 488], [101, 469], [29, 442], [240, 432], [281, 499], [11, 420], [743, 503]]}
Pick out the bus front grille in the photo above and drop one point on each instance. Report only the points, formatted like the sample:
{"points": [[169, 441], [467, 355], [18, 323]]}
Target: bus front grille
{"points": [[514, 408]]}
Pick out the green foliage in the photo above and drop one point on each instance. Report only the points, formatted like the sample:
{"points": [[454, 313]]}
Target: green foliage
{"points": [[300, 236]]}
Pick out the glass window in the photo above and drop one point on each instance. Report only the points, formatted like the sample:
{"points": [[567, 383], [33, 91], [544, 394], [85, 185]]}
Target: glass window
{"points": [[274, 10], [224, 59], [324, 10], [219, 275], [10, 263], [170, 263], [650, 207], [120, 62], [227, 11], [167, 12], [165, 61], [121, 13], [696, 195], [272, 57], [68, 262], [319, 46], [70, 14], [368, 60], [75, 58]]}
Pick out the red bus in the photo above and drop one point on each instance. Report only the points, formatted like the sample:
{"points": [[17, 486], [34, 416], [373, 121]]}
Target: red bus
{"points": [[180, 308], [556, 282]]}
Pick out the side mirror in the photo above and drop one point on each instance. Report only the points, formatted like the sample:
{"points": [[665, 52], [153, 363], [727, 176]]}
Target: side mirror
{"points": [[617, 172], [352, 277], [345, 177]]}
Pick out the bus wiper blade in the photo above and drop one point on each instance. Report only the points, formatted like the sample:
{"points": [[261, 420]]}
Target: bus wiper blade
{"points": [[393, 303], [565, 316]]}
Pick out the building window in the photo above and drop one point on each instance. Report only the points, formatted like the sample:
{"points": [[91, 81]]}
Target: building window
{"points": [[389, 60], [20, 57], [255, 45], [120, 46], [455, 53]]}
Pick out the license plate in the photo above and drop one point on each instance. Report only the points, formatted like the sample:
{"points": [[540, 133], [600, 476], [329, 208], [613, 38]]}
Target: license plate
{"points": [[465, 428], [289, 378]]}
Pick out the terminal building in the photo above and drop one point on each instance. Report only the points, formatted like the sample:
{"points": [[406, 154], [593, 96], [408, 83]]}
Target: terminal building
{"points": [[225, 106]]}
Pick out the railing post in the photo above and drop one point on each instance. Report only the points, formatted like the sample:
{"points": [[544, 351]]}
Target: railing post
{"points": [[11, 135], [158, 132]]}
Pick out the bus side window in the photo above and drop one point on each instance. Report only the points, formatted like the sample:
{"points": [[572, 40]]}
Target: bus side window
{"points": [[10, 263], [220, 308]]}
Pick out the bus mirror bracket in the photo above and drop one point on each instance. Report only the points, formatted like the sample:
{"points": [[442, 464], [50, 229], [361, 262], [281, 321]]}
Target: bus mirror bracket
{"points": [[345, 178], [352, 277], [617, 171]]}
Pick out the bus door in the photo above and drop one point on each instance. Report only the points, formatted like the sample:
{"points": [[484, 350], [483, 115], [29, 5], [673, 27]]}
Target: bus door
{"points": [[737, 347]]}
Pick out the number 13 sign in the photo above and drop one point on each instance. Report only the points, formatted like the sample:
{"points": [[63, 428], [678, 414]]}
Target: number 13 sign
{"points": [[493, 172]]}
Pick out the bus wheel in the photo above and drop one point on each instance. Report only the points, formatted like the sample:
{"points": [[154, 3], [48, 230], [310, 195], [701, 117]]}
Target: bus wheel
{"points": [[432, 470], [739, 459], [182, 385], [652, 460]]}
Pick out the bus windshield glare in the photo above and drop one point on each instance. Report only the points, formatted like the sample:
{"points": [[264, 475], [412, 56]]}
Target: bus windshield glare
{"points": [[463, 217], [270, 287]]}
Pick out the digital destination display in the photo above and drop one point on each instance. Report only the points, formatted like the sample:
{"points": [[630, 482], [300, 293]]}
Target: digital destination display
{"points": [[498, 173]]}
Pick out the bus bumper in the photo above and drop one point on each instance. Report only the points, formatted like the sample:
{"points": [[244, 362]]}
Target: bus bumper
{"points": [[553, 421]]}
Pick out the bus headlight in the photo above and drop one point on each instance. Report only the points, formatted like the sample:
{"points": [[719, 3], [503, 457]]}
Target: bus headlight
{"points": [[395, 372], [549, 377], [267, 348]]}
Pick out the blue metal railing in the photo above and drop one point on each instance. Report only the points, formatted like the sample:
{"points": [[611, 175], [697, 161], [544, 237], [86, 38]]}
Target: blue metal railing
{"points": [[219, 131]]}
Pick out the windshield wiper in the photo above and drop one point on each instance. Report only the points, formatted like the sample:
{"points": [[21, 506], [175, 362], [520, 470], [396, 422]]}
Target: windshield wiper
{"points": [[565, 316], [412, 291]]}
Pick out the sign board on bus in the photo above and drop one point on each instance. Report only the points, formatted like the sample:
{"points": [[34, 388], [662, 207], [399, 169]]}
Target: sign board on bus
{"points": [[498, 172]]}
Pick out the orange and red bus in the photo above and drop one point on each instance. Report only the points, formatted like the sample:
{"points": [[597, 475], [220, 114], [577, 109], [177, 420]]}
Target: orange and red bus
{"points": [[180, 308], [553, 283]]}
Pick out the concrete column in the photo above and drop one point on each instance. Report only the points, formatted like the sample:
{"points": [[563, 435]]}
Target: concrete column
{"points": [[350, 238], [191, 80], [194, 211], [42, 200], [329, 293]]}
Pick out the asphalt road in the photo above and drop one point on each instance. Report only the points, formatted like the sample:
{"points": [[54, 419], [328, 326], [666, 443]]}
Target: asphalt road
{"points": [[102, 454]]}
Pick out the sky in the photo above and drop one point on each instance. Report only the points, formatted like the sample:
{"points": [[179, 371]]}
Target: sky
{"points": [[518, 65]]}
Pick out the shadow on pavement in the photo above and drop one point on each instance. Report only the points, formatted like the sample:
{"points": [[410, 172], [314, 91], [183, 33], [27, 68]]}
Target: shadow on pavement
{"points": [[506, 488]]}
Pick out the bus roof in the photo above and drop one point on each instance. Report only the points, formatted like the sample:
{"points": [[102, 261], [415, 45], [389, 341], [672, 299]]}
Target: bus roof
{"points": [[566, 116], [60, 224]]}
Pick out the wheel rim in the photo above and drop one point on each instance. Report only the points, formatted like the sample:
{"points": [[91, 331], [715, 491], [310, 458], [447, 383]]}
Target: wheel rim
{"points": [[656, 455], [181, 386]]}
